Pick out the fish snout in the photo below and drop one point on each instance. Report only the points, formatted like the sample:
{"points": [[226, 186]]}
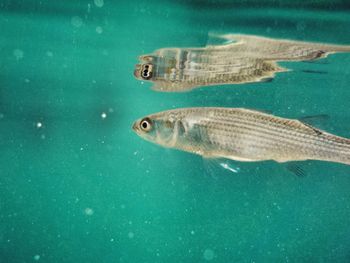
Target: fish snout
{"points": [[135, 126], [137, 71]]}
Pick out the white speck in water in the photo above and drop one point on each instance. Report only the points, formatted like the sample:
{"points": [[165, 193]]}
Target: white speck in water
{"points": [[77, 21], [43, 137], [26, 80], [192, 232], [39, 125], [18, 53], [89, 211], [49, 54], [208, 254], [36, 257], [99, 30], [131, 235], [99, 3], [103, 115], [112, 240]]}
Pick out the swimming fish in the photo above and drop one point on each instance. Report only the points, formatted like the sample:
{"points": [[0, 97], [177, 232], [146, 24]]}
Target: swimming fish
{"points": [[244, 59], [242, 135]]}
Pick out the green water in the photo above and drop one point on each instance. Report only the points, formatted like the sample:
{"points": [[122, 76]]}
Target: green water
{"points": [[77, 185]]}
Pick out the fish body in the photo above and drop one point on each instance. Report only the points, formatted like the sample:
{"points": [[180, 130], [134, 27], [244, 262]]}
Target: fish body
{"points": [[241, 134], [246, 59]]}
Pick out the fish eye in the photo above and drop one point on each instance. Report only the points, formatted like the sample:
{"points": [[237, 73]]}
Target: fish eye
{"points": [[146, 124], [146, 71]]}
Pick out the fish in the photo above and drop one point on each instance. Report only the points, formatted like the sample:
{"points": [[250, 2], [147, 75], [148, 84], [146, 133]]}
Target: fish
{"points": [[241, 134], [244, 59]]}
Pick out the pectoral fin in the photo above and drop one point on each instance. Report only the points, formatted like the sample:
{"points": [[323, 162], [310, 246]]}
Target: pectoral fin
{"points": [[215, 166], [299, 168], [296, 169]]}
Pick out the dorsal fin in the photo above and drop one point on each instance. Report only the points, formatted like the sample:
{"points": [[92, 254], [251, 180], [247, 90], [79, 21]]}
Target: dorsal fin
{"points": [[317, 131], [314, 122]]}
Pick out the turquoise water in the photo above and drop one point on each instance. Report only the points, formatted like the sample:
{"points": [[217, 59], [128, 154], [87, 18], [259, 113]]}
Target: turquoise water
{"points": [[77, 185]]}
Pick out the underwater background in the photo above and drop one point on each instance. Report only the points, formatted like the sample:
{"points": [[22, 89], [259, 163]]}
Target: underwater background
{"points": [[77, 185]]}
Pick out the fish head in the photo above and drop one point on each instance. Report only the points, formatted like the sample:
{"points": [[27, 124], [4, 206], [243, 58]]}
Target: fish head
{"points": [[162, 128], [144, 70]]}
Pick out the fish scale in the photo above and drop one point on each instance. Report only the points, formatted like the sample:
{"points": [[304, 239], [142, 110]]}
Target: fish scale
{"points": [[268, 134], [275, 130], [263, 140]]}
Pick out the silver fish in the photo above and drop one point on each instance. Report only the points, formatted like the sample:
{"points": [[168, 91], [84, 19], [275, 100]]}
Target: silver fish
{"points": [[242, 135], [247, 59]]}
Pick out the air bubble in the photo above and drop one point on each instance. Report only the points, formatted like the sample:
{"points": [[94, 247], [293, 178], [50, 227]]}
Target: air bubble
{"points": [[77, 21], [89, 211], [99, 30], [208, 254], [18, 53], [99, 3]]}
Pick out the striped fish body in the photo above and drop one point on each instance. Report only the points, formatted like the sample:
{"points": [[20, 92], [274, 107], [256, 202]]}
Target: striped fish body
{"points": [[246, 135]]}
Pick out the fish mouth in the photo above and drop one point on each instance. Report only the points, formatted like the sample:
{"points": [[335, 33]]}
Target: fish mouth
{"points": [[137, 71], [135, 127]]}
